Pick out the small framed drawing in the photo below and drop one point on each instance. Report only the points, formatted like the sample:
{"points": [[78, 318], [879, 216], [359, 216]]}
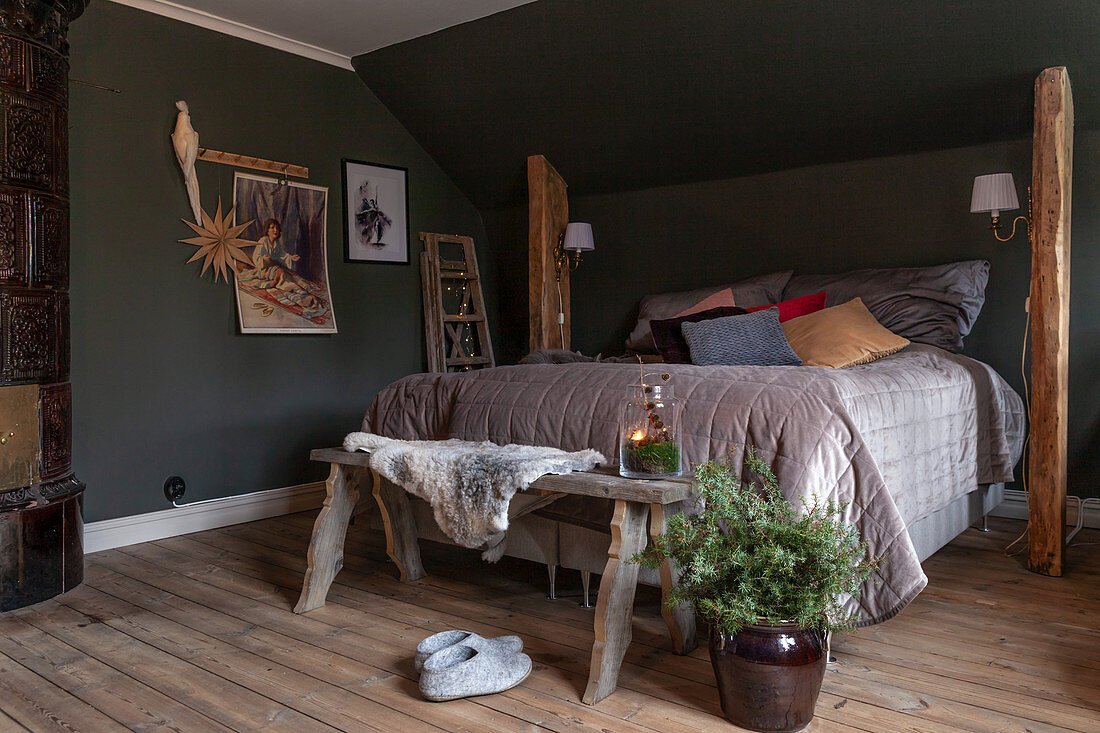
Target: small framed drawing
{"points": [[376, 213]]}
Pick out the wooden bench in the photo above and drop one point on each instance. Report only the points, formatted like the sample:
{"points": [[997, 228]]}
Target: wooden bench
{"points": [[634, 501]]}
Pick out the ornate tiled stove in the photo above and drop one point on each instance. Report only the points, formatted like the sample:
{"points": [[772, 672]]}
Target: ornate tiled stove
{"points": [[41, 524]]}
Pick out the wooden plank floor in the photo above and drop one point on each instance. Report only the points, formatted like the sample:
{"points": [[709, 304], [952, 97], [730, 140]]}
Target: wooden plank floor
{"points": [[196, 633]]}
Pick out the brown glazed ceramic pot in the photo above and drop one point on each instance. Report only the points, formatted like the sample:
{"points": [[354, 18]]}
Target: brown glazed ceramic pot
{"points": [[769, 676]]}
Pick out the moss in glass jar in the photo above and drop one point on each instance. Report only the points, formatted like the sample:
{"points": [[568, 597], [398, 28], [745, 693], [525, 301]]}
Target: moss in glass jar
{"points": [[661, 457]]}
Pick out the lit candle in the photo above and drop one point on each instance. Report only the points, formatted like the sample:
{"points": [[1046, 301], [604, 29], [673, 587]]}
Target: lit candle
{"points": [[637, 436]]}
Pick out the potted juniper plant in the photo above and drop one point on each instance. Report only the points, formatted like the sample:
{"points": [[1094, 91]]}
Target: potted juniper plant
{"points": [[769, 581]]}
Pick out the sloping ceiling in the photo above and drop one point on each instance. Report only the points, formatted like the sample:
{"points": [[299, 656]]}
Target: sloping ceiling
{"points": [[335, 29], [626, 94]]}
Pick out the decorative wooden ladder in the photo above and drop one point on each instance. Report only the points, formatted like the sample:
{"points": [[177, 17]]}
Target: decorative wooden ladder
{"points": [[456, 329]]}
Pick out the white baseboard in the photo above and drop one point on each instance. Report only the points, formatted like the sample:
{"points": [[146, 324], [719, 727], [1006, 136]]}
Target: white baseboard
{"points": [[1014, 506], [111, 533]]}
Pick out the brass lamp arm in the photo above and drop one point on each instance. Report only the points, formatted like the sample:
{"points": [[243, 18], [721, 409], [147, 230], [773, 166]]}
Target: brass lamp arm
{"points": [[1027, 220], [562, 258], [997, 225]]}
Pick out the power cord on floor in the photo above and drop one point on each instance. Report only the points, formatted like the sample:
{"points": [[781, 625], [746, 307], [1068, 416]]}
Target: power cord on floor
{"points": [[1081, 503], [1027, 430]]}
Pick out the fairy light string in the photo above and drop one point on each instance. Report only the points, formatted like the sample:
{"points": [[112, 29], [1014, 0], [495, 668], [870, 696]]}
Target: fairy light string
{"points": [[466, 339]]}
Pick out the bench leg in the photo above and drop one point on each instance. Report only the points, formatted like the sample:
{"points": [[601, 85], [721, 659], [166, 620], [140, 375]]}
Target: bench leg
{"points": [[680, 620], [397, 518], [326, 547], [615, 603]]}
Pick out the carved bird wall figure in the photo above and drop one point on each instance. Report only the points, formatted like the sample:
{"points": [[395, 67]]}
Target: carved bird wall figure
{"points": [[185, 141]]}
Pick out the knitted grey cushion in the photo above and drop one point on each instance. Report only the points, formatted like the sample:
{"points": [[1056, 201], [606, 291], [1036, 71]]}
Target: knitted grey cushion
{"points": [[754, 339]]}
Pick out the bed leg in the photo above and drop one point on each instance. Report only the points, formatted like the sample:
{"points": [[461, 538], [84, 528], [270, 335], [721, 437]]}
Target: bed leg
{"points": [[985, 524], [586, 580], [829, 658], [552, 571]]}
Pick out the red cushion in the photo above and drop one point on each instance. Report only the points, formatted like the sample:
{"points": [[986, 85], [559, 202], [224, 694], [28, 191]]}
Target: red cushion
{"points": [[796, 307]]}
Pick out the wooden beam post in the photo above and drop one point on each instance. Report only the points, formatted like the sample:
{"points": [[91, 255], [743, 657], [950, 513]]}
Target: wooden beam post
{"points": [[1051, 184], [548, 213]]}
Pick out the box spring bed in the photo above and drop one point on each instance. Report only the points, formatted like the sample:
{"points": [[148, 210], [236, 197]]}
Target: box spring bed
{"points": [[917, 445]]}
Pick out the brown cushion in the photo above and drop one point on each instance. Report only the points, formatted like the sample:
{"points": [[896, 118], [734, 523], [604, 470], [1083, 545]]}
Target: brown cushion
{"points": [[841, 336]]}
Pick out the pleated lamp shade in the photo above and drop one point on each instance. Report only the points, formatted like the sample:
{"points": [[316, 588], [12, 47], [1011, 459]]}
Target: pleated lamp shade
{"points": [[578, 237], [994, 193]]}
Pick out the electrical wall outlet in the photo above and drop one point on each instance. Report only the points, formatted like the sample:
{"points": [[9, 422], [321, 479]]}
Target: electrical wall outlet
{"points": [[174, 488]]}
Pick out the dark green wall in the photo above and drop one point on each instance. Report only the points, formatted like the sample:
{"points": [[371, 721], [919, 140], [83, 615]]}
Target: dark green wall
{"points": [[884, 212], [632, 94], [163, 383]]}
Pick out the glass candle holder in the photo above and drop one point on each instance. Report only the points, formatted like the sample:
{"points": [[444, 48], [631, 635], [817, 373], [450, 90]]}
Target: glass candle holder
{"points": [[649, 433]]}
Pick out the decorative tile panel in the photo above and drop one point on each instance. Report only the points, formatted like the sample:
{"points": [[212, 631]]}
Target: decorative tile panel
{"points": [[61, 363], [14, 257], [56, 429], [28, 153], [50, 241], [49, 73], [28, 336], [61, 162], [13, 65]]}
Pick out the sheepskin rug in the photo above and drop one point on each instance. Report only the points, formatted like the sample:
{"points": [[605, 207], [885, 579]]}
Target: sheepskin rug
{"points": [[469, 485]]}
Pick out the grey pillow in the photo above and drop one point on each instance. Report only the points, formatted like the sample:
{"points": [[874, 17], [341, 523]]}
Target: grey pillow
{"points": [[748, 293], [754, 339], [931, 305]]}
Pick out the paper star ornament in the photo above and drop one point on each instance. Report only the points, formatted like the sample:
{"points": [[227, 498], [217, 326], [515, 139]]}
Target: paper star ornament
{"points": [[218, 242]]}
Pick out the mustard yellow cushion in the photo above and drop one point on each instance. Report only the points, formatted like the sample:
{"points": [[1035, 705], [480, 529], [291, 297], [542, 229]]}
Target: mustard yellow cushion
{"points": [[841, 336]]}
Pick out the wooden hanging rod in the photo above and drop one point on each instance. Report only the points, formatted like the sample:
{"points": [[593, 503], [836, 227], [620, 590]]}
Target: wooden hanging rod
{"points": [[247, 161]]}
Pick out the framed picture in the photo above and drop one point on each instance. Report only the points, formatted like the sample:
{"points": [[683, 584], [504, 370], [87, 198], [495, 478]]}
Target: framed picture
{"points": [[284, 289], [376, 213]]}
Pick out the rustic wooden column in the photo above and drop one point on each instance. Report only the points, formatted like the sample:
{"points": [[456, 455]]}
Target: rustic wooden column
{"points": [[41, 523], [548, 214], [1051, 185]]}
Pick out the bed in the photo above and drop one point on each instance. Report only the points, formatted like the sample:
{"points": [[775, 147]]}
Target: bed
{"points": [[918, 444]]}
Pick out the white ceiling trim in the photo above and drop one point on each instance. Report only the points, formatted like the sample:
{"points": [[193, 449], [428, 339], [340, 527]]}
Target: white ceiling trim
{"points": [[239, 30]]}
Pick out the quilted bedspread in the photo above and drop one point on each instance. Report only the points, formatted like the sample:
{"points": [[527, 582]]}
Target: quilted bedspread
{"points": [[894, 440]]}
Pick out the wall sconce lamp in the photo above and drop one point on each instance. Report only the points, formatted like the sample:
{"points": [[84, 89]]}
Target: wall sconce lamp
{"points": [[576, 238], [994, 193]]}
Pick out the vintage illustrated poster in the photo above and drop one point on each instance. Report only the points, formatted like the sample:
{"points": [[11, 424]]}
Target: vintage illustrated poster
{"points": [[284, 289]]}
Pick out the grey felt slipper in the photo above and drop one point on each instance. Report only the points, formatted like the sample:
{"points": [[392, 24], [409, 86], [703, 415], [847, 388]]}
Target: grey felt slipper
{"points": [[444, 639], [462, 671]]}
